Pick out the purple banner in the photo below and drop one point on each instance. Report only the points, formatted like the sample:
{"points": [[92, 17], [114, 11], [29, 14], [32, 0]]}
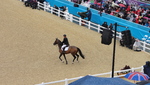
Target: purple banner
{"points": [[135, 2]]}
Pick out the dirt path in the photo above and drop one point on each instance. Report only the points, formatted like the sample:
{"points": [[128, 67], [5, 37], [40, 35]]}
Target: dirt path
{"points": [[27, 54]]}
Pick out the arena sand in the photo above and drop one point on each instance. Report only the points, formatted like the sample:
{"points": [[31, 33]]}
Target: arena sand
{"points": [[28, 56]]}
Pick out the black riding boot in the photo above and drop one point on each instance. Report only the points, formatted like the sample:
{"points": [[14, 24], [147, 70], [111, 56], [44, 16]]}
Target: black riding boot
{"points": [[63, 51]]}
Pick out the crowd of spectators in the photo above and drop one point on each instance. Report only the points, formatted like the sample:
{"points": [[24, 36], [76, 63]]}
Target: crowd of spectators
{"points": [[32, 3], [133, 13]]}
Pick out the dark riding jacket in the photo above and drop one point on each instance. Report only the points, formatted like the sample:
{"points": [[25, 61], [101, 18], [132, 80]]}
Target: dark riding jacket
{"points": [[65, 41]]}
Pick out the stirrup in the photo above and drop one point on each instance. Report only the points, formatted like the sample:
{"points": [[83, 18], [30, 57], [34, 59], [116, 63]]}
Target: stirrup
{"points": [[63, 52]]}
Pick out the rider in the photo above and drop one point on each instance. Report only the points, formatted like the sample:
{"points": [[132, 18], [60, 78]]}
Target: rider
{"points": [[65, 42]]}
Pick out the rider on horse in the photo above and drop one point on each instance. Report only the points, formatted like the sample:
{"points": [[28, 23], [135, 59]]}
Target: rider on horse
{"points": [[65, 42]]}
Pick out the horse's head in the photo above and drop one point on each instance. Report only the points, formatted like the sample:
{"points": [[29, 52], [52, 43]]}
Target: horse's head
{"points": [[82, 14], [57, 41]]}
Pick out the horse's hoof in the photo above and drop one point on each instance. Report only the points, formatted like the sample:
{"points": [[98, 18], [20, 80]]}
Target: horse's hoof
{"points": [[72, 62], [62, 61]]}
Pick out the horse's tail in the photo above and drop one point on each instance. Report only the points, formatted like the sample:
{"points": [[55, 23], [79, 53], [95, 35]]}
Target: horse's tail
{"points": [[80, 52]]}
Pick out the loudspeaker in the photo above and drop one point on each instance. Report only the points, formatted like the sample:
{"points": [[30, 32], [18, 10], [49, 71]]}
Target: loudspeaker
{"points": [[76, 5], [106, 37], [126, 37]]}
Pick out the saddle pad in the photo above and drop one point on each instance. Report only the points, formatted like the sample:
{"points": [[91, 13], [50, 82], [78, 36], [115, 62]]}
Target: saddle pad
{"points": [[65, 48]]}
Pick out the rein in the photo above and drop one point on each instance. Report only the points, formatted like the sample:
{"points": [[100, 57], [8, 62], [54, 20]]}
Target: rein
{"points": [[59, 43]]}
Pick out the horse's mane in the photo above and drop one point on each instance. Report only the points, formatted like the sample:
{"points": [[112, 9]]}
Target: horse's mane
{"points": [[59, 41]]}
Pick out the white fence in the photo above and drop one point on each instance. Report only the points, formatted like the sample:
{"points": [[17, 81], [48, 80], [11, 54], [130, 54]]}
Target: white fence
{"points": [[96, 27], [66, 81]]}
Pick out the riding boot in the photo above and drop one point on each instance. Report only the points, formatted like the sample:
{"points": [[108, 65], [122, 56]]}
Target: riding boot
{"points": [[63, 50]]}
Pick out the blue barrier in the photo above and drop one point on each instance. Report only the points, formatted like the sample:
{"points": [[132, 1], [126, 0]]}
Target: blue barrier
{"points": [[137, 31]]}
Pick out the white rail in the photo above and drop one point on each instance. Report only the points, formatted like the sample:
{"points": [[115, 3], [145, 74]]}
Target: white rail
{"points": [[101, 74]]}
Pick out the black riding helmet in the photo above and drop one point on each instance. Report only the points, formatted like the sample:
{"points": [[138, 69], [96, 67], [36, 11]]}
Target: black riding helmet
{"points": [[64, 35]]}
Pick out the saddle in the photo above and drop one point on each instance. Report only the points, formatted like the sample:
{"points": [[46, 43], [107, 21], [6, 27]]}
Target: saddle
{"points": [[64, 46]]}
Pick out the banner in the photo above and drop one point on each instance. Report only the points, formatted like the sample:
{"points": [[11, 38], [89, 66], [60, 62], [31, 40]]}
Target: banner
{"points": [[136, 3]]}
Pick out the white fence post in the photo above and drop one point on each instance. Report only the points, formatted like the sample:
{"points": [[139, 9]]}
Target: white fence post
{"points": [[66, 15], [51, 9], [66, 81], [142, 68], [89, 24], [110, 74], [59, 12], [144, 45], [45, 6], [38, 5], [98, 28], [132, 69], [80, 21], [71, 17]]}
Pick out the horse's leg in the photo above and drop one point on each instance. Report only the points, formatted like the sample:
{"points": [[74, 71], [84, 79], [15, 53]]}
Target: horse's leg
{"points": [[60, 57], [77, 57], [65, 58], [73, 58]]}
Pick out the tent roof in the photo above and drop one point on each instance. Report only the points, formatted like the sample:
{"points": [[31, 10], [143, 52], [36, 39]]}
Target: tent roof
{"points": [[91, 80]]}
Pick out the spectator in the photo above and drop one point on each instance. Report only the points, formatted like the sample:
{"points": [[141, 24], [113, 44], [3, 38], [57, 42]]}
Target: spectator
{"points": [[121, 43], [31, 3], [132, 43], [62, 8], [27, 3], [88, 14], [136, 45], [147, 23], [110, 26], [104, 25], [147, 68]]}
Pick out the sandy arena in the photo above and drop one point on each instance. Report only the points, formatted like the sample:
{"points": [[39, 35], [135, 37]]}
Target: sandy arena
{"points": [[28, 56]]}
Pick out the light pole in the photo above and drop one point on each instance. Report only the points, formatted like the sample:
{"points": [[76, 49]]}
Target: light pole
{"points": [[114, 49]]}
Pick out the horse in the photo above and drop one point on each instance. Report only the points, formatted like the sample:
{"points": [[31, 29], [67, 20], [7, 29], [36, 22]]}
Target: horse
{"points": [[72, 49], [82, 14]]}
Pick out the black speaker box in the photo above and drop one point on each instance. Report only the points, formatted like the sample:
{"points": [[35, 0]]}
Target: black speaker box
{"points": [[76, 5], [126, 36], [106, 37]]}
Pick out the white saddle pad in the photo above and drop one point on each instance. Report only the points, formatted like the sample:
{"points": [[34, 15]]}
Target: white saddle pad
{"points": [[65, 48]]}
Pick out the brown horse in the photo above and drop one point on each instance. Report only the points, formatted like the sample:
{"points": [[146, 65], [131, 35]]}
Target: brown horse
{"points": [[72, 49]]}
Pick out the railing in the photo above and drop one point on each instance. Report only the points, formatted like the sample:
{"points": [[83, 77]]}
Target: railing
{"points": [[139, 69]]}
